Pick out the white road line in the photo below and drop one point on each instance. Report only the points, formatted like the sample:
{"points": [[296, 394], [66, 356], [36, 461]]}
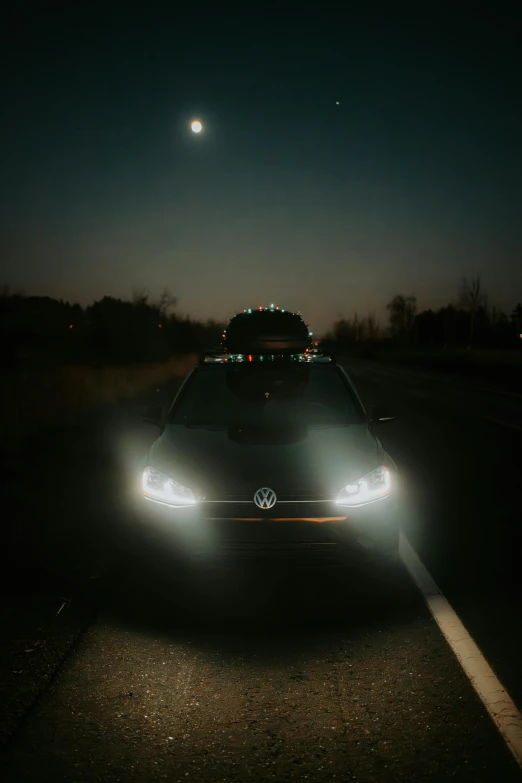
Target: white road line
{"points": [[484, 680]]}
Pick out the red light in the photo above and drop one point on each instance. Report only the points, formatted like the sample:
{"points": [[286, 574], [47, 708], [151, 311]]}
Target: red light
{"points": [[70, 326], [160, 326], [250, 357]]}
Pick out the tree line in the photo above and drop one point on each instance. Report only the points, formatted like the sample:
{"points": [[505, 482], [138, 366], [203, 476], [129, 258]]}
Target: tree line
{"points": [[140, 329], [110, 331], [467, 322]]}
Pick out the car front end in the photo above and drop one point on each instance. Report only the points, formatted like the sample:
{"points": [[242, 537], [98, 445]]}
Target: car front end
{"points": [[356, 525]]}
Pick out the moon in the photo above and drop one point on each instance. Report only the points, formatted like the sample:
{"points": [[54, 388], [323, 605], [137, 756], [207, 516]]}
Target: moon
{"points": [[196, 126]]}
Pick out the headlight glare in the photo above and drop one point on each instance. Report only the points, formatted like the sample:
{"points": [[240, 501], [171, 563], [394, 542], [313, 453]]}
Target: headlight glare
{"points": [[373, 486], [164, 489]]}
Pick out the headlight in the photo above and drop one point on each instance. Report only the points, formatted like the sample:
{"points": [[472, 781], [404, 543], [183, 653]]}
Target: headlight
{"points": [[373, 486], [157, 486]]}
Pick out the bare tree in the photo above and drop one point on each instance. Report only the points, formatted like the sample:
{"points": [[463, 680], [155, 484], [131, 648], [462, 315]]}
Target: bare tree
{"points": [[140, 296], [362, 330], [471, 298], [356, 327], [343, 331], [166, 302], [401, 311], [372, 326]]}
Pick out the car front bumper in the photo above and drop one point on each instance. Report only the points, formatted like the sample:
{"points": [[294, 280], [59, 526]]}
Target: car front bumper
{"points": [[319, 532]]}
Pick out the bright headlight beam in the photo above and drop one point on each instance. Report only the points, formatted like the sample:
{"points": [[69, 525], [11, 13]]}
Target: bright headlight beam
{"points": [[374, 486], [157, 486]]}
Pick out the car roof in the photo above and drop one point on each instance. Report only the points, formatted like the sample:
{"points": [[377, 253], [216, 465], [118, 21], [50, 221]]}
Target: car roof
{"points": [[266, 330]]}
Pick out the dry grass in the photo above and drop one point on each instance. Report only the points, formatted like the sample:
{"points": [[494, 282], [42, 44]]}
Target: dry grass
{"points": [[35, 399]]}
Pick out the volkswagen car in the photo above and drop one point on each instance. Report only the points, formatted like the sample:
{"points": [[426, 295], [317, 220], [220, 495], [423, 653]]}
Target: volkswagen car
{"points": [[272, 454]]}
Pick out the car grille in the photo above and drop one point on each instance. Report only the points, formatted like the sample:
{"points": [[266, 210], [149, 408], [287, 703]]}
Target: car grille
{"points": [[306, 554], [283, 509], [293, 503]]}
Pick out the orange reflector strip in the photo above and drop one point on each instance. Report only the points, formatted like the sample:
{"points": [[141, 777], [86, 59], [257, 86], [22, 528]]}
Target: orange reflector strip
{"points": [[287, 519]]}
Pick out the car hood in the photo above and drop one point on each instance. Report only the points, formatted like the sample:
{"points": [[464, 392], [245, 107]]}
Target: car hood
{"points": [[307, 461]]}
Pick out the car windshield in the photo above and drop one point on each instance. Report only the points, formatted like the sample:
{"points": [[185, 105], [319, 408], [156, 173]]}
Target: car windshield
{"points": [[256, 395]]}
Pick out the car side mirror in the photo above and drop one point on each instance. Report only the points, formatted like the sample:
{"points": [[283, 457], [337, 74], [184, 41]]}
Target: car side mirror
{"points": [[381, 415], [154, 416]]}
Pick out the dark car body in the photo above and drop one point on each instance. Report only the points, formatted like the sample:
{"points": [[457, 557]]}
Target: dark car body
{"points": [[266, 329], [225, 439]]}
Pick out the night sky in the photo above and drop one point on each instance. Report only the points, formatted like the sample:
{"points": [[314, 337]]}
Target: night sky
{"points": [[411, 182]]}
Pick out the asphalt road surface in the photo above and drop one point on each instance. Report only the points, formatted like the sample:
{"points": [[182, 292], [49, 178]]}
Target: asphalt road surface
{"points": [[460, 448], [274, 673]]}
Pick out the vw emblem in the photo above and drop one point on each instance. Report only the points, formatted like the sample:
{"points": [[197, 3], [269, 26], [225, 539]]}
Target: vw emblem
{"points": [[265, 498]]}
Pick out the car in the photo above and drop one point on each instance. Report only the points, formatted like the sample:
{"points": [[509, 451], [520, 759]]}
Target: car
{"points": [[272, 454], [266, 330]]}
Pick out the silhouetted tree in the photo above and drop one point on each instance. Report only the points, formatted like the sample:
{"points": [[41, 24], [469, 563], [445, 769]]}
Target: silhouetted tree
{"points": [[426, 328], [372, 326], [471, 298], [108, 331], [140, 296], [166, 302], [401, 312], [343, 332]]}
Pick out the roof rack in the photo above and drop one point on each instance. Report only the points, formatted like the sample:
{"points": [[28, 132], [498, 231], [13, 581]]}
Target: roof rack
{"points": [[222, 357]]}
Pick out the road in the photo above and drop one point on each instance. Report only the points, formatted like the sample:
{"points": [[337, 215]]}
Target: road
{"points": [[459, 447], [275, 674]]}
